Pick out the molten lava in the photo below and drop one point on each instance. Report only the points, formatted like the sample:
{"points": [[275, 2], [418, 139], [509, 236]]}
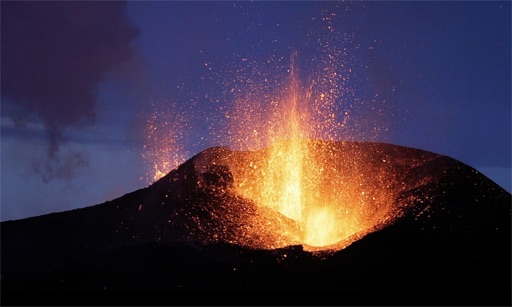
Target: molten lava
{"points": [[322, 195], [162, 150], [290, 185], [328, 198], [301, 180]]}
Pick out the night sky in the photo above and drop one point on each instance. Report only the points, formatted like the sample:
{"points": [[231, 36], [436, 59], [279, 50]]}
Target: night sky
{"points": [[81, 82]]}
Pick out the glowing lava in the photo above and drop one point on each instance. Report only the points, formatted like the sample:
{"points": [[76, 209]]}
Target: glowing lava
{"points": [[283, 125], [289, 184], [162, 151], [321, 197], [321, 227], [330, 193], [295, 177]]}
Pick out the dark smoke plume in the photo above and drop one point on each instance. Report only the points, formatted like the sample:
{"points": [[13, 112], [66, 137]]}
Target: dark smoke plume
{"points": [[53, 56]]}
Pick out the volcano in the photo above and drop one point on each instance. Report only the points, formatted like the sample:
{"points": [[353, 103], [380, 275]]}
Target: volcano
{"points": [[411, 227]]}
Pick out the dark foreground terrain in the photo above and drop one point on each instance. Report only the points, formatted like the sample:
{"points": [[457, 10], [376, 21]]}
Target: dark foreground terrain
{"points": [[175, 243]]}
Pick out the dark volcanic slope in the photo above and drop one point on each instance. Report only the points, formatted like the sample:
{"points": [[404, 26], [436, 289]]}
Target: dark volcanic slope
{"points": [[450, 245]]}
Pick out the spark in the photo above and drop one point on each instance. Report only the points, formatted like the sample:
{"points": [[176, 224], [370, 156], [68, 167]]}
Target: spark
{"points": [[282, 118]]}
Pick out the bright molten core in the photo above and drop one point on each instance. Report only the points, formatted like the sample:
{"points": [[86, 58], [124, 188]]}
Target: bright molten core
{"points": [[295, 177], [306, 189]]}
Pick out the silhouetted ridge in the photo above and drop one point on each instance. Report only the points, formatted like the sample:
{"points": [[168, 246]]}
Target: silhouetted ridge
{"points": [[449, 243]]}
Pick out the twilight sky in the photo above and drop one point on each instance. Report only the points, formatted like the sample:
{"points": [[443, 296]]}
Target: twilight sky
{"points": [[94, 93]]}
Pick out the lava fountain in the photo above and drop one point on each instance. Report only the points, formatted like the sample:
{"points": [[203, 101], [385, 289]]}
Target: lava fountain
{"points": [[300, 177], [321, 194], [290, 177]]}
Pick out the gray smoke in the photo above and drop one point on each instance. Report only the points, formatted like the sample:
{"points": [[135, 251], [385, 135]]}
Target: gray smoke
{"points": [[53, 56]]}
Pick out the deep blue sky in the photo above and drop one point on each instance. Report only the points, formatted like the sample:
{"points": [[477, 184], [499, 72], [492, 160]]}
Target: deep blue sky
{"points": [[81, 80]]}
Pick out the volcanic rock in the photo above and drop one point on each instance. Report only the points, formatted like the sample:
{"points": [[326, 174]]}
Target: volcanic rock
{"points": [[445, 240]]}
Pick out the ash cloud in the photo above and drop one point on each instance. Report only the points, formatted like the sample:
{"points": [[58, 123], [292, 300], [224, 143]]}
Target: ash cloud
{"points": [[54, 54], [64, 168]]}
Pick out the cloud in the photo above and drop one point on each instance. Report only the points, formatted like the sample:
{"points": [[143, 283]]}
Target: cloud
{"points": [[32, 189], [54, 54]]}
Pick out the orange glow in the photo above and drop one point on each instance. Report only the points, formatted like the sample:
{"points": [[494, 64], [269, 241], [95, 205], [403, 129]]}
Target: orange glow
{"points": [[320, 196], [162, 150], [330, 197], [321, 227], [315, 186]]}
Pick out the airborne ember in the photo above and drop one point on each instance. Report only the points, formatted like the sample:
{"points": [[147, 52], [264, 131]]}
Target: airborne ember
{"points": [[296, 176], [277, 108]]}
